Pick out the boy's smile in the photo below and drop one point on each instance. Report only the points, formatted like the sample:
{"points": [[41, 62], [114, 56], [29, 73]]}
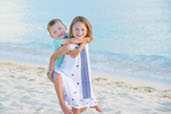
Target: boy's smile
{"points": [[58, 30], [60, 35]]}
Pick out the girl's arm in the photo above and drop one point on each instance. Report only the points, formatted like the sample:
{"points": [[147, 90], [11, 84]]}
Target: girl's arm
{"points": [[60, 52], [75, 52], [76, 41]]}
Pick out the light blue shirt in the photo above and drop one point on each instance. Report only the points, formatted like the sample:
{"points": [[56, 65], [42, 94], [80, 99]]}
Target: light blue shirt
{"points": [[57, 43]]}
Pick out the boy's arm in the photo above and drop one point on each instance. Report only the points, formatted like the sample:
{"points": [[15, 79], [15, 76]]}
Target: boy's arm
{"points": [[76, 41], [75, 52], [60, 52]]}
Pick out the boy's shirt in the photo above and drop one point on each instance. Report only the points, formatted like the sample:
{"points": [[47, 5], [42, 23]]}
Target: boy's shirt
{"points": [[57, 43]]}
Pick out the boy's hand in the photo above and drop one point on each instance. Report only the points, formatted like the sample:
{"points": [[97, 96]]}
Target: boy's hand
{"points": [[87, 39], [50, 75], [73, 53]]}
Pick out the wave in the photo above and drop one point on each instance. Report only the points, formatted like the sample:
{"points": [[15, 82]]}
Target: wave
{"points": [[141, 66], [152, 67]]}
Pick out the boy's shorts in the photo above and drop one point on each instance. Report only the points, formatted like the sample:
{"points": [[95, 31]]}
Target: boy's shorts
{"points": [[53, 75]]}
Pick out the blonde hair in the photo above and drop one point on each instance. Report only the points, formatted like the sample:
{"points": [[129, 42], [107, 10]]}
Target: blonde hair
{"points": [[86, 23], [52, 22]]}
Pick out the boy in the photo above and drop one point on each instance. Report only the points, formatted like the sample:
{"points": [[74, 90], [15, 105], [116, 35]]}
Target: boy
{"points": [[61, 42]]}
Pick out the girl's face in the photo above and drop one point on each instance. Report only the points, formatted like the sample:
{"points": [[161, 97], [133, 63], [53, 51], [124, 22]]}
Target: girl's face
{"points": [[79, 30]]}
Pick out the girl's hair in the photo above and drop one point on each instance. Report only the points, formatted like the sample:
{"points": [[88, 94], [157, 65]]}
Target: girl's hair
{"points": [[52, 22], [86, 23]]}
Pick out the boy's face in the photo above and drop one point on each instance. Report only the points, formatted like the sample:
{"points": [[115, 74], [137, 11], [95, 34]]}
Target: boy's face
{"points": [[79, 30], [58, 30]]}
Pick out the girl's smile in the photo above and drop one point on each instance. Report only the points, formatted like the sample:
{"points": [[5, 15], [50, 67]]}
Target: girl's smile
{"points": [[79, 30]]}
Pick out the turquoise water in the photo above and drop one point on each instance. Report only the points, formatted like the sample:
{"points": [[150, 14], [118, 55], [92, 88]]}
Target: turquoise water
{"points": [[132, 37]]}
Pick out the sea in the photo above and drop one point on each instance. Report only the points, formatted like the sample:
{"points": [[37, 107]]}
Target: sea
{"points": [[131, 37]]}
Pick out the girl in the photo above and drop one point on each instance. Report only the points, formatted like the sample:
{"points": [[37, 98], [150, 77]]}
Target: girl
{"points": [[75, 72]]}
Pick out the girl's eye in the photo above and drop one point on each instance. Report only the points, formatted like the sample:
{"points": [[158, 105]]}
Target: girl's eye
{"points": [[76, 29], [82, 29], [54, 32], [59, 28]]}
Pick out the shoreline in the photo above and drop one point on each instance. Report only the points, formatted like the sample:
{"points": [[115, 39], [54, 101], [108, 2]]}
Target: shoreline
{"points": [[115, 77]]}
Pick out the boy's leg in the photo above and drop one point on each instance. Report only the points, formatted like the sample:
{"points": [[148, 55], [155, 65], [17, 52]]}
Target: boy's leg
{"points": [[76, 111], [83, 109], [59, 91]]}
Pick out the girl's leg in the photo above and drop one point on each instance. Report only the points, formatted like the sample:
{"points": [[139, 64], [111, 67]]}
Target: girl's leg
{"points": [[83, 109], [76, 111], [97, 108], [59, 91]]}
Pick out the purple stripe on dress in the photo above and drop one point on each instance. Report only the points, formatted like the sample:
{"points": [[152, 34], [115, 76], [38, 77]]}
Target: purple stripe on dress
{"points": [[85, 75]]}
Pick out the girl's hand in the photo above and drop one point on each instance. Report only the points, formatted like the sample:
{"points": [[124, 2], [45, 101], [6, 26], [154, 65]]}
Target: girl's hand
{"points": [[73, 53]]}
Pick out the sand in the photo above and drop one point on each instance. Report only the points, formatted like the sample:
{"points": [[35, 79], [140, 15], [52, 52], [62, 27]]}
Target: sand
{"points": [[25, 89]]}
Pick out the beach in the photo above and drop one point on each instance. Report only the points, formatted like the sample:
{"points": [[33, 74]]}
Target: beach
{"points": [[130, 56], [25, 89]]}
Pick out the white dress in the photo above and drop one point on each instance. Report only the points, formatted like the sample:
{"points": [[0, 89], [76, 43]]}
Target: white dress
{"points": [[77, 82]]}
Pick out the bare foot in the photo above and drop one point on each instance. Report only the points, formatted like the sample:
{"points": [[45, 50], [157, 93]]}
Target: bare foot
{"points": [[97, 108], [66, 110]]}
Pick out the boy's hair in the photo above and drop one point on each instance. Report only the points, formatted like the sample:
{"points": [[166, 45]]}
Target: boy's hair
{"points": [[52, 22], [86, 23]]}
